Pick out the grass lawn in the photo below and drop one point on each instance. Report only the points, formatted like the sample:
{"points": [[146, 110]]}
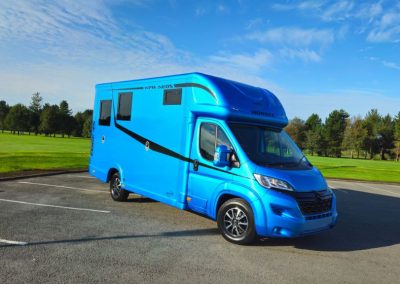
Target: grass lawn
{"points": [[30, 152], [24, 152], [368, 170]]}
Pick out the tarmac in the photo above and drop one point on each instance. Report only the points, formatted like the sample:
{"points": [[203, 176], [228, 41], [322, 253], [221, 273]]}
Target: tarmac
{"points": [[67, 229]]}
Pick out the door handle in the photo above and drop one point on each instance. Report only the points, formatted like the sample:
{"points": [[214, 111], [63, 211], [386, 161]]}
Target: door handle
{"points": [[103, 139], [195, 165]]}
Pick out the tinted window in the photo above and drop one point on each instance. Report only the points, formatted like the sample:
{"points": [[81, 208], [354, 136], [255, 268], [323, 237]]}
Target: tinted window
{"points": [[211, 136], [269, 147], [172, 97], [105, 113], [124, 106]]}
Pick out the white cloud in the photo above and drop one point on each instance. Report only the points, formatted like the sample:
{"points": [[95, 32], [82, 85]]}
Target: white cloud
{"points": [[251, 62], [388, 64], [369, 11], [305, 55], [355, 101], [387, 28], [293, 36], [387, 35], [200, 11], [71, 46], [391, 65], [302, 5], [390, 19], [339, 10], [254, 23], [222, 8]]}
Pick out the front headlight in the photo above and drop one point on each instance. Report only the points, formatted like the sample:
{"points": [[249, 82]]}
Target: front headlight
{"points": [[270, 183]]}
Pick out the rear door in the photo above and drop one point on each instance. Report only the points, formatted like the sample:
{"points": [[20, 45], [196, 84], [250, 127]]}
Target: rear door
{"points": [[100, 134]]}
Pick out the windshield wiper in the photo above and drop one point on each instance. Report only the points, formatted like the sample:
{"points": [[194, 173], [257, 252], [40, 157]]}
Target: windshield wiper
{"points": [[301, 159]]}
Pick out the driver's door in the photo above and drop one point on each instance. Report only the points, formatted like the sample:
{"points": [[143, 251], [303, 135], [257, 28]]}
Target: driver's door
{"points": [[204, 176]]}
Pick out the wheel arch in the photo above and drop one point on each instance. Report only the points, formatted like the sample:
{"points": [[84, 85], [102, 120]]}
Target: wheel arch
{"points": [[234, 190], [115, 169]]}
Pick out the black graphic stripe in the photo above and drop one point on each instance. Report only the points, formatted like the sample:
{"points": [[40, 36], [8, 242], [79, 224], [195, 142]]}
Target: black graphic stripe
{"points": [[163, 150], [196, 85], [152, 145]]}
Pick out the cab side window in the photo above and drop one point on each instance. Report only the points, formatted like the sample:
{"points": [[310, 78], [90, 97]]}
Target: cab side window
{"points": [[211, 136]]}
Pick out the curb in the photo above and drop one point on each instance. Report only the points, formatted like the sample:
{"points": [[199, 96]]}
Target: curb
{"points": [[364, 181], [45, 174]]}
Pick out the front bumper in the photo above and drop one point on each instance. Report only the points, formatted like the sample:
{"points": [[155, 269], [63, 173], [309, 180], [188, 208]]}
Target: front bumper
{"points": [[287, 217]]}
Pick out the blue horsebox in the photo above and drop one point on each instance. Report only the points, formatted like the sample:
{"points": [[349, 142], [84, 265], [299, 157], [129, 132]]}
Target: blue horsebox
{"points": [[209, 145]]}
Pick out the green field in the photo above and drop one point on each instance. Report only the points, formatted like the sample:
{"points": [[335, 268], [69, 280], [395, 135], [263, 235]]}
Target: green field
{"points": [[30, 152], [368, 170], [24, 152]]}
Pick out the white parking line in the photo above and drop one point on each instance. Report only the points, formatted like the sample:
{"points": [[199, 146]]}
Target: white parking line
{"points": [[377, 189], [339, 189], [62, 186], [80, 176], [13, 242], [54, 206]]}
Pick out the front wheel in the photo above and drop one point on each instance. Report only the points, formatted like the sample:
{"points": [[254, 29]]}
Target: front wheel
{"points": [[236, 222], [117, 193]]}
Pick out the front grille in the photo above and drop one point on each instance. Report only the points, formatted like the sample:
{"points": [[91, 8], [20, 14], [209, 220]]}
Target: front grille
{"points": [[314, 202]]}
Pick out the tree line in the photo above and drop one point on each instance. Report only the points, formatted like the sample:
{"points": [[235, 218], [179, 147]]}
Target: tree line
{"points": [[39, 118], [369, 137]]}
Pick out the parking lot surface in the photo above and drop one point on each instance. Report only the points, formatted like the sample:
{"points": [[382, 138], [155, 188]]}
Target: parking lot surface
{"points": [[67, 229]]}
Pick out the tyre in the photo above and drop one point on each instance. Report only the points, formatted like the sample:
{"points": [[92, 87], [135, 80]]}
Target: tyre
{"points": [[236, 222], [117, 193]]}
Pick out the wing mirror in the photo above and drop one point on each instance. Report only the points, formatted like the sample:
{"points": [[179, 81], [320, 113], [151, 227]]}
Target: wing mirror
{"points": [[222, 156]]}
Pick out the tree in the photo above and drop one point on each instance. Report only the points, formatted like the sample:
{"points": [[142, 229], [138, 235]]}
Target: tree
{"points": [[4, 109], [354, 135], [87, 127], [313, 122], [335, 126], [385, 135], [35, 109], [397, 135], [17, 118], [314, 137], [296, 129], [49, 119], [80, 118], [371, 123], [65, 123], [70, 125], [64, 108], [315, 141]]}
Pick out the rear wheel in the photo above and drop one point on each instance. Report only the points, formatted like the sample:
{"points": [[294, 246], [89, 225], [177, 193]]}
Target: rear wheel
{"points": [[117, 193], [236, 222]]}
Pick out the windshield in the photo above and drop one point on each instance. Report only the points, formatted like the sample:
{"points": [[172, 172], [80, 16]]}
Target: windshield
{"points": [[269, 147]]}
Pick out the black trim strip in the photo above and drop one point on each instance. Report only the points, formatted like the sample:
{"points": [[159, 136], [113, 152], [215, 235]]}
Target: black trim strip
{"points": [[196, 85], [125, 89], [180, 85], [161, 149]]}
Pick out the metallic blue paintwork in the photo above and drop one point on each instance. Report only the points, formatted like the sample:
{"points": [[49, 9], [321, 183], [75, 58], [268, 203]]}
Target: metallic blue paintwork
{"points": [[176, 127]]}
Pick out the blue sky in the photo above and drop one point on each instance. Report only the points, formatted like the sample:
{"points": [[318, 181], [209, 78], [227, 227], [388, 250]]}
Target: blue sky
{"points": [[316, 56]]}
